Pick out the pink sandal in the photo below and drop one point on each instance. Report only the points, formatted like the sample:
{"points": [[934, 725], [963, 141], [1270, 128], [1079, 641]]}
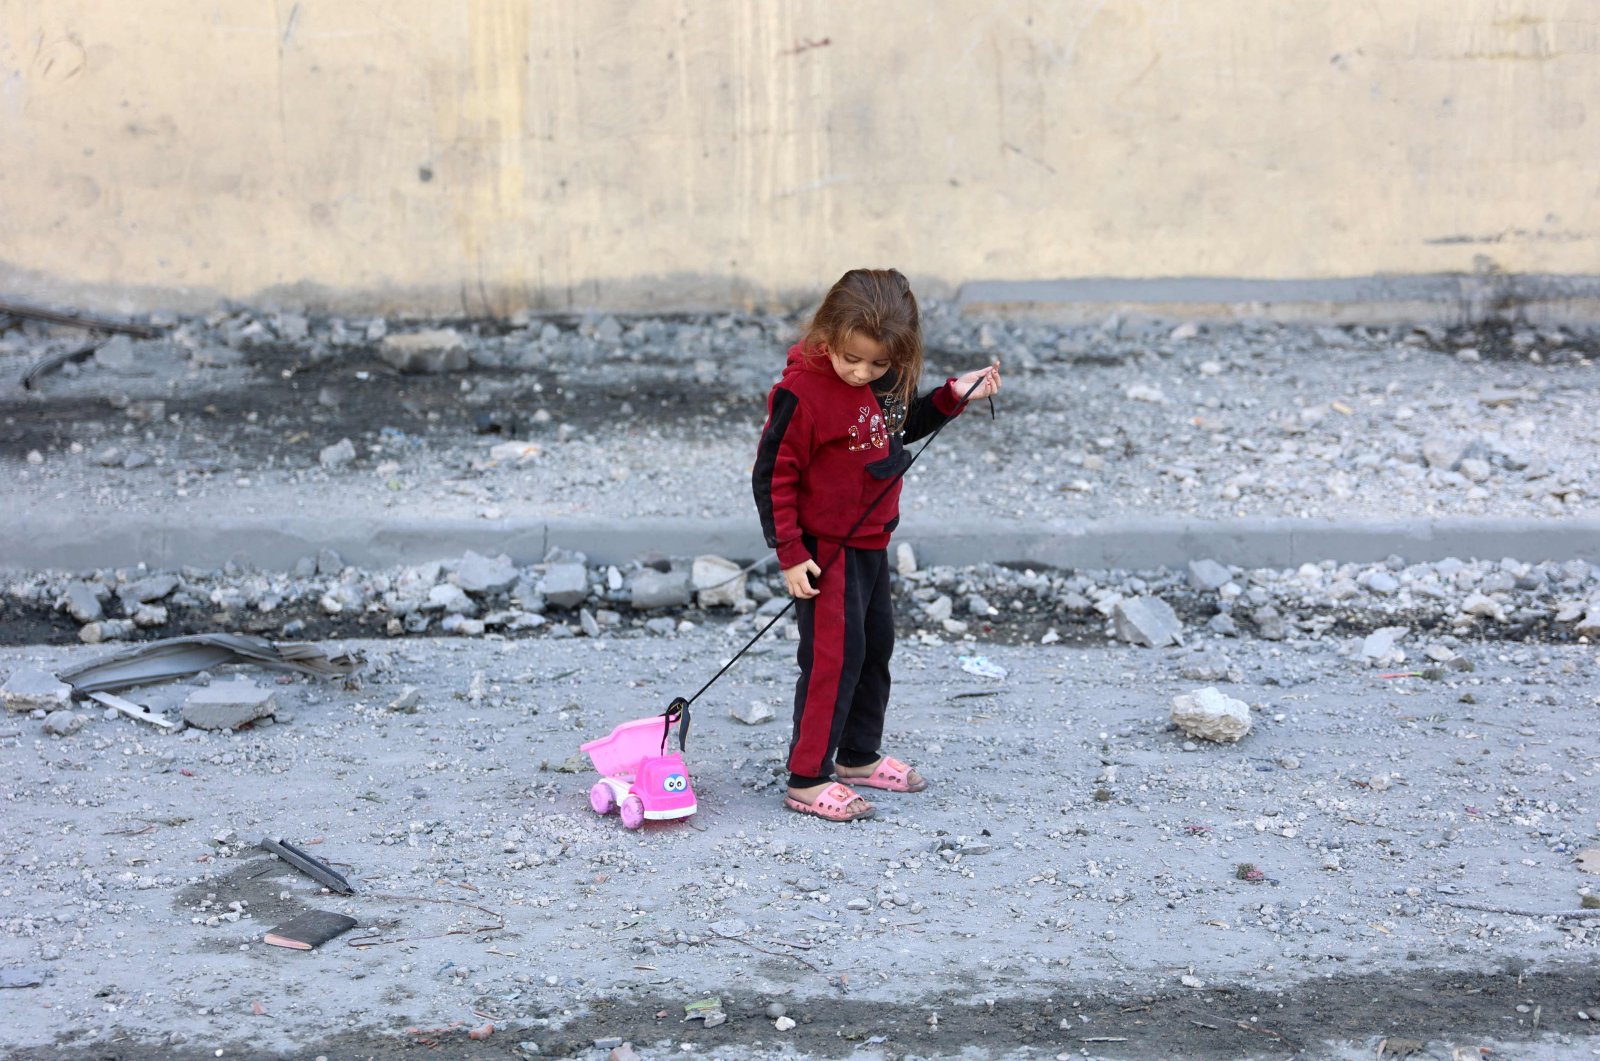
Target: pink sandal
{"points": [[831, 804], [892, 775]]}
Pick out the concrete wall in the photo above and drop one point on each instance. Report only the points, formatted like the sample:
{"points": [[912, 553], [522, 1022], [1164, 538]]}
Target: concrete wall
{"points": [[488, 155]]}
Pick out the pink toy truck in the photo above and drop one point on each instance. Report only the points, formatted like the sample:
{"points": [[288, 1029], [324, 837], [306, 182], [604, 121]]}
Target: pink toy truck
{"points": [[636, 777]]}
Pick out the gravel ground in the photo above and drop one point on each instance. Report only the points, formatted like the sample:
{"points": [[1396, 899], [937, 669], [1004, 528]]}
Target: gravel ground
{"points": [[1393, 857], [658, 417], [1082, 879]]}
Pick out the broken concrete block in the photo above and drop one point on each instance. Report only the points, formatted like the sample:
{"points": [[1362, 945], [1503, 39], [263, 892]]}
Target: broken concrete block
{"points": [[433, 351], [1483, 606], [82, 601], [481, 574], [1380, 645], [590, 625], [753, 714], [147, 590], [1147, 621], [31, 689], [62, 723], [337, 455], [406, 702], [105, 630], [448, 598], [1208, 575], [905, 559], [660, 589], [566, 585], [1589, 625], [1211, 715], [717, 581], [228, 705]]}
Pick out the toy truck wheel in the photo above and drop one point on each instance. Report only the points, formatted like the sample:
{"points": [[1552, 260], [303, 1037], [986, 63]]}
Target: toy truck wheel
{"points": [[602, 799], [633, 812]]}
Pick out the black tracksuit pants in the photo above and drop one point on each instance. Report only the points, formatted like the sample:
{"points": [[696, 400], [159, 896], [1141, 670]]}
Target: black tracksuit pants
{"points": [[846, 639]]}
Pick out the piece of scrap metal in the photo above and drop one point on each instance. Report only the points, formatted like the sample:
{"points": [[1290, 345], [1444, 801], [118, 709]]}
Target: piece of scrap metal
{"points": [[80, 319], [133, 710], [54, 361], [178, 657], [311, 867]]}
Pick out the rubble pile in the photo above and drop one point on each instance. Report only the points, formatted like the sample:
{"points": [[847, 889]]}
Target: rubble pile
{"points": [[564, 595]]}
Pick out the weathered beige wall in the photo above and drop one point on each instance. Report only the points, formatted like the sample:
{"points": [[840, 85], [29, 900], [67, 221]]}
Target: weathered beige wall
{"points": [[492, 154]]}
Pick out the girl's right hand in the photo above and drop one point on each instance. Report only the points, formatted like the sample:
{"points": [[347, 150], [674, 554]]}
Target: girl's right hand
{"points": [[795, 578]]}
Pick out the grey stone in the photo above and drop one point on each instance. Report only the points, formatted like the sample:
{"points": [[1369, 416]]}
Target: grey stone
{"points": [[1441, 452], [105, 630], [82, 601], [1380, 645], [62, 723], [450, 598], [566, 585], [1222, 623], [31, 689], [481, 574], [146, 590], [1589, 625], [434, 351], [337, 455], [753, 714], [591, 626], [939, 609], [146, 616], [1270, 624], [228, 705], [1147, 621], [1208, 575], [1211, 715], [905, 559], [717, 581], [1383, 582], [660, 589], [663, 626], [329, 563]]}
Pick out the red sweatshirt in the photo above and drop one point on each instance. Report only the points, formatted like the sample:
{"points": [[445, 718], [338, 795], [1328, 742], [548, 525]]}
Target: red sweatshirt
{"points": [[826, 453]]}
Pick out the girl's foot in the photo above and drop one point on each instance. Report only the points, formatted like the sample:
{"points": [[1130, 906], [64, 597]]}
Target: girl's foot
{"points": [[888, 773], [829, 800]]}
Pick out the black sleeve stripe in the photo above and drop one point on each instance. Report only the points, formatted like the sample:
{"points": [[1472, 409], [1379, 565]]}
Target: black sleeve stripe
{"points": [[784, 404]]}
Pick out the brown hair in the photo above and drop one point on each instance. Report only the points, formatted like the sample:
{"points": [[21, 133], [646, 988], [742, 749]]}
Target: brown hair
{"points": [[878, 304]]}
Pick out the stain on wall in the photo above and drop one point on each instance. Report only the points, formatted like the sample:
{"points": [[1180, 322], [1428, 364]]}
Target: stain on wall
{"points": [[483, 156]]}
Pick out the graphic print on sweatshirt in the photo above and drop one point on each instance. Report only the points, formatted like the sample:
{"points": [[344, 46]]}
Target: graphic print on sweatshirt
{"points": [[869, 422]]}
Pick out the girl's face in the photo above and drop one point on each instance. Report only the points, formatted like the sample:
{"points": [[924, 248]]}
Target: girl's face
{"points": [[861, 360]]}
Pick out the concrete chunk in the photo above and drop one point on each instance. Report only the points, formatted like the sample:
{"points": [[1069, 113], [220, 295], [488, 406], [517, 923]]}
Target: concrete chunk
{"points": [[433, 351], [1208, 575], [1211, 715], [718, 581], [481, 574], [1147, 621], [82, 601], [566, 585], [660, 589], [1379, 646], [228, 705], [31, 689]]}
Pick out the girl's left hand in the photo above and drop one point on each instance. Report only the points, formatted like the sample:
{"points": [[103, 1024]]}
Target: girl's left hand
{"points": [[987, 380]]}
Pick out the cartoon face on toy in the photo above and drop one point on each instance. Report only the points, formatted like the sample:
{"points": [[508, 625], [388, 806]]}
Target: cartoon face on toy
{"points": [[663, 784]]}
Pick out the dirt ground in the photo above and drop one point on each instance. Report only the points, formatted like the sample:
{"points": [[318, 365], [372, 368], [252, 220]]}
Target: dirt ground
{"points": [[1076, 882], [1386, 865]]}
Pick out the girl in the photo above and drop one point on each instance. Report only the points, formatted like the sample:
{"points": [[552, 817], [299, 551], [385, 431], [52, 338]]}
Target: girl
{"points": [[837, 424]]}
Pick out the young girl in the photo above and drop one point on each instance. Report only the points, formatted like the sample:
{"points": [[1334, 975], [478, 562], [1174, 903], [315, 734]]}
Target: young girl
{"points": [[837, 424]]}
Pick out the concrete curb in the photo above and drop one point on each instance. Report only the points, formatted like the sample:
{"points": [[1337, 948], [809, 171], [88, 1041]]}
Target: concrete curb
{"points": [[1439, 298], [39, 542]]}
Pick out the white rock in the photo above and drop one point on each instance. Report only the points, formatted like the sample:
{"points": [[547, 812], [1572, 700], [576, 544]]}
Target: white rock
{"points": [[1211, 715], [905, 559], [31, 689], [717, 581]]}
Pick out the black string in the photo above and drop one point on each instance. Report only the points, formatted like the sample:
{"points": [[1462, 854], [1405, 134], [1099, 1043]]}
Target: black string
{"points": [[680, 703]]}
